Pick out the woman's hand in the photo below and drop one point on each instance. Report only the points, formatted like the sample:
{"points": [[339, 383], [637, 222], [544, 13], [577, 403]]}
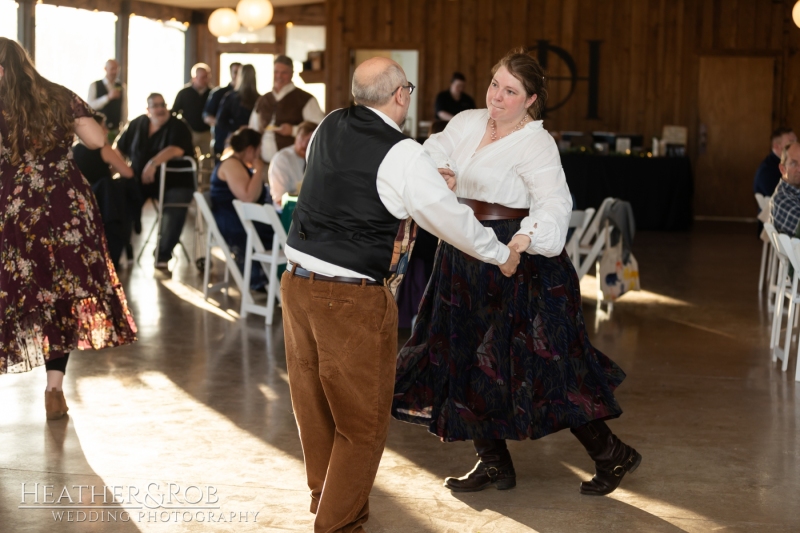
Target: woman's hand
{"points": [[149, 173], [520, 243], [449, 177]]}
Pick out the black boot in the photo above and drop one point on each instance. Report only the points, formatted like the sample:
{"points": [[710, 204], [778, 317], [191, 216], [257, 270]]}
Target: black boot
{"points": [[494, 468], [612, 458]]}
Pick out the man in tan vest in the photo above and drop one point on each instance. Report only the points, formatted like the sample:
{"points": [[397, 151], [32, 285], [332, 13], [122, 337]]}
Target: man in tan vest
{"points": [[279, 112]]}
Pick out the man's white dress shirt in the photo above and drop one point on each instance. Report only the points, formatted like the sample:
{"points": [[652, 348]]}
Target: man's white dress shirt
{"points": [[311, 113], [285, 172], [521, 170], [410, 186]]}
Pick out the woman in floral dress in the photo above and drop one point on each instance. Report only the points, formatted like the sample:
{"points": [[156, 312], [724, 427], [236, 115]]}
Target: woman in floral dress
{"points": [[58, 287]]}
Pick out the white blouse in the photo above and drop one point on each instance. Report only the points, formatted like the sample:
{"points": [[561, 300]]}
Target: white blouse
{"points": [[522, 170]]}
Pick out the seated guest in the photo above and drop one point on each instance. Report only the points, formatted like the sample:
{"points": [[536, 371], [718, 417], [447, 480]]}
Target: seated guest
{"points": [[97, 167], [768, 174], [453, 101], [784, 206], [150, 140], [190, 102], [231, 180], [234, 111], [289, 164]]}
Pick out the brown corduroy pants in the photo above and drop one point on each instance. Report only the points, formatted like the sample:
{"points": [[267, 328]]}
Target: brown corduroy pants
{"points": [[341, 350]]}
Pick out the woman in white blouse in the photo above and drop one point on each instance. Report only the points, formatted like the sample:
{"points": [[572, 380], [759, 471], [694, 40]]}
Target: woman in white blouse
{"points": [[493, 358]]}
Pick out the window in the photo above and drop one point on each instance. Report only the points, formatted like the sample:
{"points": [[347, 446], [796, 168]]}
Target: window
{"points": [[73, 58], [300, 40], [262, 62], [8, 19], [156, 62]]}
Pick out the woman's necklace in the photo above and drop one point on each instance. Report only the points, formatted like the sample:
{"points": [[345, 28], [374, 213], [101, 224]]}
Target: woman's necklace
{"points": [[493, 124]]}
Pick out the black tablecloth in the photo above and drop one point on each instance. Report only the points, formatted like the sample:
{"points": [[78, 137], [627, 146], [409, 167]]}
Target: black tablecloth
{"points": [[659, 189]]}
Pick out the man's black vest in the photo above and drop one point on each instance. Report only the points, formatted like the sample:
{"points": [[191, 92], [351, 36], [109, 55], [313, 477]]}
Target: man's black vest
{"points": [[113, 109], [340, 217]]}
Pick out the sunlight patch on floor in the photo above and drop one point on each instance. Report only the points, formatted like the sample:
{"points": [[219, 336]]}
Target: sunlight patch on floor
{"points": [[195, 297], [589, 289], [669, 513]]}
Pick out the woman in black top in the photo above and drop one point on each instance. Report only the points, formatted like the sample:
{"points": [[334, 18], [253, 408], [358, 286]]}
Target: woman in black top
{"points": [[235, 109], [98, 166], [231, 180]]}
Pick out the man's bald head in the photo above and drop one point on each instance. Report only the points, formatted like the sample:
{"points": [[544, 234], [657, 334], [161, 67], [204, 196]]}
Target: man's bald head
{"points": [[112, 69], [374, 81]]}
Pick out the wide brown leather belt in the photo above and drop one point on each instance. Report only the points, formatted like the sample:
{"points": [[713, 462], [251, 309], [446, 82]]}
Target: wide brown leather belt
{"points": [[487, 211], [297, 270]]}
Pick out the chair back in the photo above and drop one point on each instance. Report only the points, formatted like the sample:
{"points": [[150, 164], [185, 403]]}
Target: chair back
{"points": [[773, 235], [266, 214], [762, 201], [578, 222], [215, 238], [594, 227], [788, 245], [269, 260]]}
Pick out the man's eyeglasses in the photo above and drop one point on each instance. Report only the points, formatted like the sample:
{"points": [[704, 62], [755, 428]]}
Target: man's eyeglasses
{"points": [[410, 88], [158, 105]]}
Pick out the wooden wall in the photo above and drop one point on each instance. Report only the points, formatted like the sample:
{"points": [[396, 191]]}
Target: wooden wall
{"points": [[649, 56]]}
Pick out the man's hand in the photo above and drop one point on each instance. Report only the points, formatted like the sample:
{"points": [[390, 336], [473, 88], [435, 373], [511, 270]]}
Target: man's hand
{"points": [[450, 177], [285, 129], [520, 243], [114, 94], [149, 173], [510, 266]]}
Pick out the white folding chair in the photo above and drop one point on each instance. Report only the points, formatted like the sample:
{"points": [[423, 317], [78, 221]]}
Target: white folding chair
{"points": [[269, 260], [786, 249], [592, 241], [767, 257], [795, 260], [156, 228], [782, 266], [579, 221], [214, 239]]}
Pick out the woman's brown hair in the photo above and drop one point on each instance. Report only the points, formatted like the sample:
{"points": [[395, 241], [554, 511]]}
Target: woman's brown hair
{"points": [[40, 110], [246, 86], [531, 74]]}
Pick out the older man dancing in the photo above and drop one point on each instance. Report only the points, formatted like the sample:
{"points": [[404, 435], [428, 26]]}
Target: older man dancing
{"points": [[364, 180]]}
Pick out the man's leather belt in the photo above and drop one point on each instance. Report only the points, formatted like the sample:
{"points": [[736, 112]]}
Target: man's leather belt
{"points": [[303, 273], [487, 211]]}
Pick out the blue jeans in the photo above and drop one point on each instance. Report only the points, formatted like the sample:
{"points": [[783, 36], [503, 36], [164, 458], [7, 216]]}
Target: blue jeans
{"points": [[172, 220]]}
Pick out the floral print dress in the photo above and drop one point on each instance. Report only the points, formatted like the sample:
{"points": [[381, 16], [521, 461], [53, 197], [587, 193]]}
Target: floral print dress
{"points": [[58, 288]]}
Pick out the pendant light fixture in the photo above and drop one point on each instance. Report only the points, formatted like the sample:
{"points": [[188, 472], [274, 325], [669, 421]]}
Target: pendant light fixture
{"points": [[223, 22], [254, 14]]}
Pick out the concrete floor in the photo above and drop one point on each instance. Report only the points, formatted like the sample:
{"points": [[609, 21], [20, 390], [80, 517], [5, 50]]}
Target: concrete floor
{"points": [[202, 401]]}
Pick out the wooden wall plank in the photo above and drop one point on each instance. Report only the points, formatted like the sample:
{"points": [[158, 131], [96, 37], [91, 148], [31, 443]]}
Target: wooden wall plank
{"points": [[649, 56]]}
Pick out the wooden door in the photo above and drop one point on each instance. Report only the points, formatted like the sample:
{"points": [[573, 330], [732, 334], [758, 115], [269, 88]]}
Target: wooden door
{"points": [[735, 106]]}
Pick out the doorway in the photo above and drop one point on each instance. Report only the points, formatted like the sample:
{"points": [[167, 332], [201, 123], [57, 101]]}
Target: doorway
{"points": [[735, 106]]}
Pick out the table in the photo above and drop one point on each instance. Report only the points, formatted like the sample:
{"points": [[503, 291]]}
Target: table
{"points": [[659, 189]]}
